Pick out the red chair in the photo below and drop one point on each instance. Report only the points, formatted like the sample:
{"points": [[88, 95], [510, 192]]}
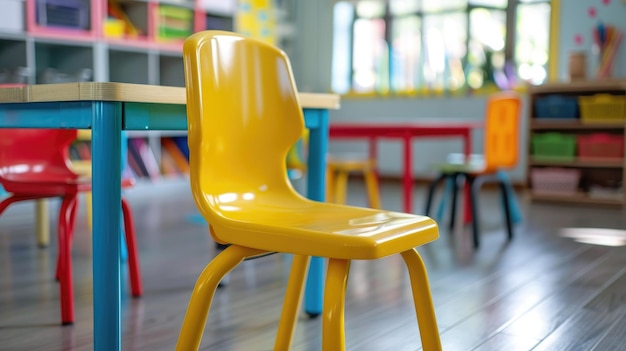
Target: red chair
{"points": [[34, 164]]}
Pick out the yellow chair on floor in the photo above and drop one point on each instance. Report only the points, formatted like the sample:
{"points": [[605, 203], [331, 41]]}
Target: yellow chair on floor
{"points": [[244, 115]]}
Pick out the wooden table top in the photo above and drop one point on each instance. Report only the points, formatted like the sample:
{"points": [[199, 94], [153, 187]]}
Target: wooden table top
{"points": [[127, 92]]}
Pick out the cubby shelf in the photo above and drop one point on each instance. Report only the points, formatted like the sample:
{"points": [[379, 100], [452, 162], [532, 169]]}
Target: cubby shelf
{"points": [[602, 180], [75, 45]]}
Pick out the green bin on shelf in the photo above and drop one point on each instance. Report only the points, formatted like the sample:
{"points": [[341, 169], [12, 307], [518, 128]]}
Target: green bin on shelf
{"points": [[553, 147]]}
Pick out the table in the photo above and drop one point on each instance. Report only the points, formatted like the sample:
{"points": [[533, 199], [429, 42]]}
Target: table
{"points": [[107, 109], [407, 132]]}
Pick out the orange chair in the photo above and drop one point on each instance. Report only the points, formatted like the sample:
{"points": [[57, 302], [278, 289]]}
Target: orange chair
{"points": [[242, 105], [501, 146], [35, 164]]}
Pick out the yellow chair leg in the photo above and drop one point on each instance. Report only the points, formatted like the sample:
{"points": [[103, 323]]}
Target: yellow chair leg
{"points": [[429, 332], [341, 186], [89, 210], [333, 333], [202, 295], [330, 184], [293, 295], [372, 188], [42, 222]]}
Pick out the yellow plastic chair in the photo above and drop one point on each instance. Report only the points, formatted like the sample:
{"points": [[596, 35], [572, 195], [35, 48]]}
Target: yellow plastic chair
{"points": [[244, 115], [501, 153]]}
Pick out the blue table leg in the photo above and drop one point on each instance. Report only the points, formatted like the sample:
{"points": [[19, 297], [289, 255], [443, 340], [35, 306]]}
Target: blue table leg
{"points": [[106, 171], [123, 164], [317, 122]]}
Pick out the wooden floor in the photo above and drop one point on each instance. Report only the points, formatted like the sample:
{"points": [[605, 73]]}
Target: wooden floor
{"points": [[539, 292]]}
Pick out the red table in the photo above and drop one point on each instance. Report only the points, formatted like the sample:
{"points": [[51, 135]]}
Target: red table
{"points": [[407, 132]]}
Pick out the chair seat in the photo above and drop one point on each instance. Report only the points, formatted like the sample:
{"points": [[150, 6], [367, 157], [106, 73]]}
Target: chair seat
{"points": [[310, 228], [459, 163], [349, 164]]}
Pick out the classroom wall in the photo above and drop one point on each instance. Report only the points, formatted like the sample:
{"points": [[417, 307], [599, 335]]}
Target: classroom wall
{"points": [[312, 61], [577, 22]]}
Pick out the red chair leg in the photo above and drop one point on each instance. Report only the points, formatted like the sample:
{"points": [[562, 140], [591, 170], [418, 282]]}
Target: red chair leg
{"points": [[72, 221], [65, 259], [133, 257]]}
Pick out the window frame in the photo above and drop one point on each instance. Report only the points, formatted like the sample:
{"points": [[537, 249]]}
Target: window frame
{"points": [[510, 11]]}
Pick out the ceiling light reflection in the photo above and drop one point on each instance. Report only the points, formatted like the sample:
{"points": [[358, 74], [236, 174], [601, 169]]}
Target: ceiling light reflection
{"points": [[596, 236]]}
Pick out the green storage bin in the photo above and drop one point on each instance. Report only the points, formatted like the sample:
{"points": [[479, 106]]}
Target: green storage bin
{"points": [[553, 147]]}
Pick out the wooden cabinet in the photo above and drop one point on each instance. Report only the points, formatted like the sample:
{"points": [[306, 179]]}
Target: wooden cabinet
{"points": [[592, 116]]}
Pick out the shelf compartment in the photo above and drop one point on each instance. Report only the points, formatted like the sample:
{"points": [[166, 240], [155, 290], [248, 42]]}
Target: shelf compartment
{"points": [[602, 108], [556, 106], [69, 14], [64, 59], [128, 67], [171, 71], [555, 180], [601, 146], [553, 146]]}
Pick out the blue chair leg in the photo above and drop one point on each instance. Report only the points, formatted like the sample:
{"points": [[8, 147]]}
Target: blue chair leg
{"points": [[447, 190], [516, 215]]}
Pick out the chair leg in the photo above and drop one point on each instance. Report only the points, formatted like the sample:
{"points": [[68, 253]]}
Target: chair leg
{"points": [[293, 296], [131, 244], [330, 184], [474, 189], [89, 210], [43, 223], [453, 194], [516, 216], [447, 190], [333, 333], [373, 191], [429, 332], [64, 267], [507, 209], [431, 191], [341, 186], [70, 233], [202, 295]]}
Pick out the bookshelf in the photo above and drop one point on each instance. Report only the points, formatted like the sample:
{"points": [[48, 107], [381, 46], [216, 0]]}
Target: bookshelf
{"points": [[128, 41], [601, 177]]}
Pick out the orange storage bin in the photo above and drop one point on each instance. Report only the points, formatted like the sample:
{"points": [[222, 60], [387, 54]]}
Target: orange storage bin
{"points": [[601, 147]]}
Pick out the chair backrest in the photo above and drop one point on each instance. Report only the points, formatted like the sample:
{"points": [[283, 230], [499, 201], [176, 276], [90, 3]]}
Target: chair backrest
{"points": [[502, 123], [243, 116], [33, 153]]}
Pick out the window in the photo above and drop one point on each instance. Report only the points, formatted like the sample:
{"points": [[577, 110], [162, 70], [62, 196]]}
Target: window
{"points": [[411, 45]]}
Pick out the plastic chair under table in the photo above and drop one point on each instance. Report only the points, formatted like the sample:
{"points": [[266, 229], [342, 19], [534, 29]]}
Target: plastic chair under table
{"points": [[35, 164]]}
